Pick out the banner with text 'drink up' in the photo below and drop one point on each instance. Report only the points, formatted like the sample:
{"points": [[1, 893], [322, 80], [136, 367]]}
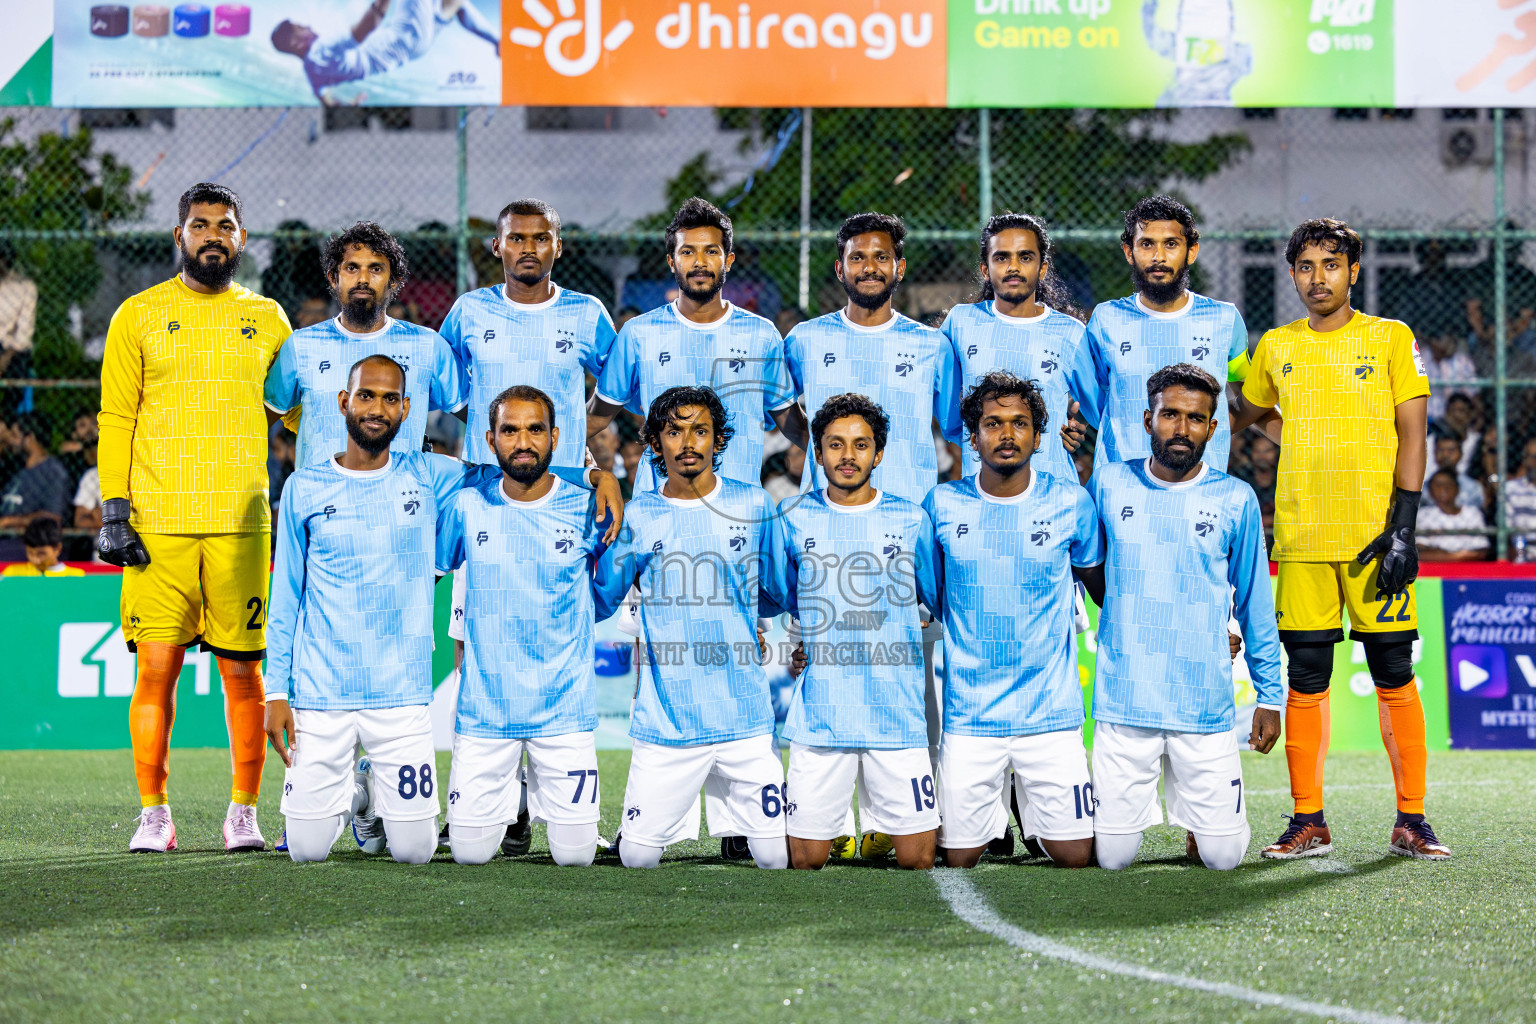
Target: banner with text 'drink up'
{"points": [[837, 53]]}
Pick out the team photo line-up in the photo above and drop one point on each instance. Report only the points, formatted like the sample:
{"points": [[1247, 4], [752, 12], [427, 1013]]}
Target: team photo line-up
{"points": [[874, 564]]}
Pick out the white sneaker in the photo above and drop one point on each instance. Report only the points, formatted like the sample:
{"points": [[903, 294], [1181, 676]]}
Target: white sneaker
{"points": [[156, 833], [240, 830], [367, 827]]}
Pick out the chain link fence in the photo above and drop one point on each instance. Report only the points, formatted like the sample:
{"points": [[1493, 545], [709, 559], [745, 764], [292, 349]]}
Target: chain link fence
{"points": [[1445, 199]]}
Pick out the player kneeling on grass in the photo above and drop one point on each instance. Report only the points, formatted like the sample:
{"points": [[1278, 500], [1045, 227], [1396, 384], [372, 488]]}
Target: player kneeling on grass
{"points": [[852, 564], [1185, 552], [1012, 536], [703, 716], [351, 629], [526, 540]]}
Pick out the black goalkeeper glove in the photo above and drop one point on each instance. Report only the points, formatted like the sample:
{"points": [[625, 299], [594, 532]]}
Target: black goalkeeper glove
{"points": [[1396, 546], [118, 543]]}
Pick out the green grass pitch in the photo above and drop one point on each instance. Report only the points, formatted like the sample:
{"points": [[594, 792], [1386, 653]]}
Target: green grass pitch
{"points": [[91, 933]]}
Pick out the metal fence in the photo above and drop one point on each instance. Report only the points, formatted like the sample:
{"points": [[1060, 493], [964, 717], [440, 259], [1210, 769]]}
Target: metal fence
{"points": [[1444, 198]]}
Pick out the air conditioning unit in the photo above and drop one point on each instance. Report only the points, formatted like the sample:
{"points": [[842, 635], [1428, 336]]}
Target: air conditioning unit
{"points": [[1470, 143]]}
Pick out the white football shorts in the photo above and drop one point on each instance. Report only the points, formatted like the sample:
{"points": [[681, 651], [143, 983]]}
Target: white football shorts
{"points": [[1050, 776], [484, 788], [895, 787], [399, 746], [1201, 772], [743, 784]]}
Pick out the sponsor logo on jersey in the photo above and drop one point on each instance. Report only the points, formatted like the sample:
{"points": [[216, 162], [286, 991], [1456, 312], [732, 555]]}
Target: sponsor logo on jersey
{"points": [[664, 358], [489, 335], [329, 511], [970, 350], [828, 359], [325, 364], [1125, 348], [810, 544], [1285, 371], [173, 326], [481, 538], [962, 529], [1126, 512], [656, 548]]}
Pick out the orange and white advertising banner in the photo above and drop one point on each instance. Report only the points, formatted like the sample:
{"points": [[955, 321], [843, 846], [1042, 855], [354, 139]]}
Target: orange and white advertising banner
{"points": [[827, 53]]}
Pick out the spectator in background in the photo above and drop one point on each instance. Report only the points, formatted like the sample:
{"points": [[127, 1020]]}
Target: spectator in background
{"points": [[44, 541], [282, 446], [18, 313], [313, 310], [1443, 513], [1446, 453], [1444, 359], [88, 493], [1261, 472], [1519, 303], [604, 446], [73, 451], [788, 317], [42, 484], [429, 292], [294, 276], [625, 315], [1457, 418], [1520, 501], [1486, 470]]}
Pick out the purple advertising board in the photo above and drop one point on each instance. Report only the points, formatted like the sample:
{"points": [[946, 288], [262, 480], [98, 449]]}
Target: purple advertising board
{"points": [[1490, 643]]}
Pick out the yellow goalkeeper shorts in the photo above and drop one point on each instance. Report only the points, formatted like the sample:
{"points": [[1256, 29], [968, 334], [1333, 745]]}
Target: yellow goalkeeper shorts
{"points": [[1312, 597], [201, 587]]}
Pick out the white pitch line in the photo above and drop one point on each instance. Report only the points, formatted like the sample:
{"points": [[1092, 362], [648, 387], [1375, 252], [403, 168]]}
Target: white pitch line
{"points": [[971, 907]]}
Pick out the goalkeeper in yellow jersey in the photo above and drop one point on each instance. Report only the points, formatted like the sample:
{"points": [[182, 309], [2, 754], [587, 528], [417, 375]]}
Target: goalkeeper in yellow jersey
{"points": [[1352, 393], [184, 498]]}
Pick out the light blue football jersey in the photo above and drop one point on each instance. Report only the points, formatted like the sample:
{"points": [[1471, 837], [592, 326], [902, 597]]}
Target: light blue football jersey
{"points": [[740, 355], [528, 608], [907, 369], [350, 622], [854, 577], [1010, 644], [312, 366], [699, 567], [1049, 348], [1130, 343], [550, 345], [1181, 559]]}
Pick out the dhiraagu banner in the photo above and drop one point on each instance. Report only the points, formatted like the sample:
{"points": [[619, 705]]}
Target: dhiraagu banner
{"points": [[1170, 53]]}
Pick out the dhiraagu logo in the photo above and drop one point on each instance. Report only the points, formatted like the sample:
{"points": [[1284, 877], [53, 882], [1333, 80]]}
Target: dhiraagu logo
{"points": [[552, 34], [94, 661]]}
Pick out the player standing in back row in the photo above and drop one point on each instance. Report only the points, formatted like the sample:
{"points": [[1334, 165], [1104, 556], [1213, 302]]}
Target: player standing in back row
{"points": [[1354, 395], [700, 339], [1022, 324], [183, 461], [1160, 324]]}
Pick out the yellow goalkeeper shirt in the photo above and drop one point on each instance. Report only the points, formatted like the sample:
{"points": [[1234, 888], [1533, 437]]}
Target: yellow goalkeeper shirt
{"points": [[1338, 393], [183, 428]]}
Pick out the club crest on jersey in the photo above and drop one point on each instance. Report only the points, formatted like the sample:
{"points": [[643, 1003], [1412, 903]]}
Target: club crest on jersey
{"points": [[828, 358], [412, 503], [892, 546], [738, 360], [563, 345], [481, 538], [287, 788], [632, 814], [738, 539], [566, 339], [247, 327], [1050, 363], [970, 350], [1366, 368], [1126, 512], [664, 358], [453, 797], [565, 539], [1201, 349], [905, 366], [1205, 524], [489, 335], [1040, 532], [173, 327]]}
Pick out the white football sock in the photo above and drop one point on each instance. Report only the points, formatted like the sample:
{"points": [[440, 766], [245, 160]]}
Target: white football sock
{"points": [[411, 842], [1223, 853], [638, 855], [475, 844], [1115, 852], [573, 845], [312, 839], [769, 853]]}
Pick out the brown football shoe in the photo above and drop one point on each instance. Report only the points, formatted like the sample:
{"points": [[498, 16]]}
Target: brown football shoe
{"points": [[1417, 840], [1191, 848], [1300, 839]]}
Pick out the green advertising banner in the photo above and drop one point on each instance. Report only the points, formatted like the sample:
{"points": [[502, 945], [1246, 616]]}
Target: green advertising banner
{"points": [[1170, 53]]}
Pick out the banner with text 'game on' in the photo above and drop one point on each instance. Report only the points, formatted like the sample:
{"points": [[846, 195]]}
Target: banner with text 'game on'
{"points": [[835, 53]]}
